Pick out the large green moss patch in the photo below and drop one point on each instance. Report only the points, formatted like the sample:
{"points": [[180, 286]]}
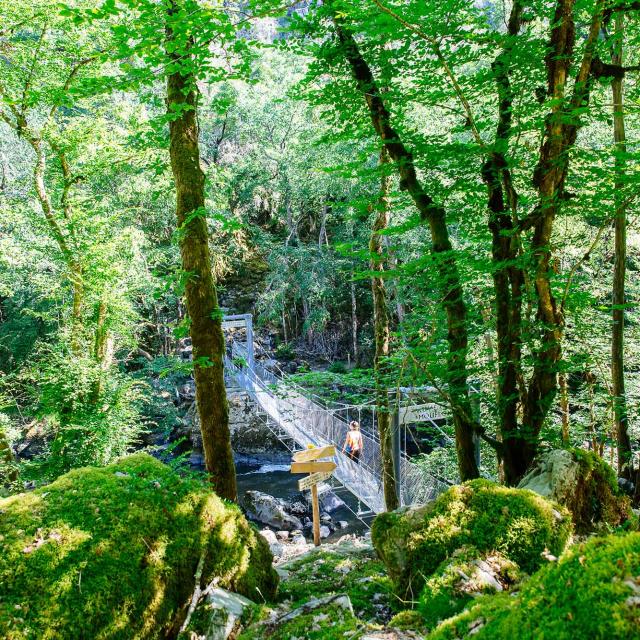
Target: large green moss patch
{"points": [[111, 553], [592, 592], [518, 524]]}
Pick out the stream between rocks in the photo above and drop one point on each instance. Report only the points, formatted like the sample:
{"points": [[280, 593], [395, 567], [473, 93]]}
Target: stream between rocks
{"points": [[272, 476]]}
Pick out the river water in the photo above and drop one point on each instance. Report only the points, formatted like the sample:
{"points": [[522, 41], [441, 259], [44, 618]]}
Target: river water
{"points": [[274, 478]]}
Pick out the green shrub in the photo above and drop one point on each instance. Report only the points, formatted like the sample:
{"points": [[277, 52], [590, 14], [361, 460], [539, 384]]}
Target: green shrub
{"points": [[519, 524], [112, 553], [337, 366], [284, 351], [592, 592], [90, 415]]}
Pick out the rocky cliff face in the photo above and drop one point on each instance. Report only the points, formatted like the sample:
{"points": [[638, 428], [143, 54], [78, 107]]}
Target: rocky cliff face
{"points": [[249, 432], [240, 289]]}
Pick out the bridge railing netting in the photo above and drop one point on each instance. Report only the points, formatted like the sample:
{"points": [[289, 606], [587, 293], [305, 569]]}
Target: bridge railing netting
{"points": [[307, 422]]}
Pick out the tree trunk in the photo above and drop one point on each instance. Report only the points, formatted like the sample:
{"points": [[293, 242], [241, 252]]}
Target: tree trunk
{"points": [[619, 267], [200, 292], [73, 264], [507, 275], [561, 129], [100, 347], [564, 408], [8, 460], [442, 251], [322, 235], [354, 320], [382, 336]]}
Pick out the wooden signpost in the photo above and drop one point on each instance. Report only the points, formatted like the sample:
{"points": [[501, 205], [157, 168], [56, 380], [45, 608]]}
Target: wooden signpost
{"points": [[307, 461], [313, 467]]}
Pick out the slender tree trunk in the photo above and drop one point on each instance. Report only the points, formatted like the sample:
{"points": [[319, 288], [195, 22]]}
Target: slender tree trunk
{"points": [[200, 292], [620, 415], [73, 263], [354, 321], [8, 460], [507, 275], [564, 408], [100, 346], [322, 235], [382, 336], [442, 250], [562, 125]]}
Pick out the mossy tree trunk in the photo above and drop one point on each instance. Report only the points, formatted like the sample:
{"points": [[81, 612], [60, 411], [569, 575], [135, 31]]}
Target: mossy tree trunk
{"points": [[441, 249], [7, 460], [562, 124], [382, 336], [508, 278], [200, 292], [65, 241], [620, 415]]}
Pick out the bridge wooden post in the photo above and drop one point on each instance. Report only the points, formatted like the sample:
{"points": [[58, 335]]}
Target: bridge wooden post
{"points": [[396, 454]]}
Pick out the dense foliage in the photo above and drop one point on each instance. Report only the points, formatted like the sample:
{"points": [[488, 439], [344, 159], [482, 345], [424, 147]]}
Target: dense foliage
{"points": [[420, 202]]}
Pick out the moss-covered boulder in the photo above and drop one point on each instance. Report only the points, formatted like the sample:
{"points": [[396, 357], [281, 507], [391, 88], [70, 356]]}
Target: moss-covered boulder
{"points": [[517, 523], [112, 552], [584, 483], [464, 576], [592, 592]]}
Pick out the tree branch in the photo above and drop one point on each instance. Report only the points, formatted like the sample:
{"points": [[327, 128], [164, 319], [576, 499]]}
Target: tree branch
{"points": [[445, 66]]}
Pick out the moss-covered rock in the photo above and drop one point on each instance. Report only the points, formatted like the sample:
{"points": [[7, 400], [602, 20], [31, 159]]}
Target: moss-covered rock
{"points": [[409, 620], [112, 552], [329, 618], [592, 592], [463, 577], [313, 586], [342, 568], [519, 524], [584, 483]]}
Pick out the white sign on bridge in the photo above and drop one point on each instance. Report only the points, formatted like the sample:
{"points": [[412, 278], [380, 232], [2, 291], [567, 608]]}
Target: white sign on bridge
{"points": [[234, 324], [421, 413]]}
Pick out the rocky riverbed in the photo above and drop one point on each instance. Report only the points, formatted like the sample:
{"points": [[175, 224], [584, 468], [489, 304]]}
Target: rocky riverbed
{"points": [[269, 496]]}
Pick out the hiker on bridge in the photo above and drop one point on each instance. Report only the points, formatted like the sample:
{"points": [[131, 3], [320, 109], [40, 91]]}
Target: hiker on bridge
{"points": [[353, 443]]}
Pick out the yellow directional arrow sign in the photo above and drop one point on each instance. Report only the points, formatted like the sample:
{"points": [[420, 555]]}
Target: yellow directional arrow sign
{"points": [[307, 461], [313, 454], [312, 467], [313, 479]]}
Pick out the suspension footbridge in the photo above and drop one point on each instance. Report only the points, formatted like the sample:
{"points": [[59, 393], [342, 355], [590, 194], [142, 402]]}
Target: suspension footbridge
{"points": [[297, 419]]}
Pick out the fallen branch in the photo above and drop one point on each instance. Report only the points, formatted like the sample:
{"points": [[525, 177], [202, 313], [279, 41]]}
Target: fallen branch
{"points": [[197, 593]]}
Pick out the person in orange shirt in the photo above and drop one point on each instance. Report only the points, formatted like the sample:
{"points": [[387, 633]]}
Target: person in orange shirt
{"points": [[353, 443]]}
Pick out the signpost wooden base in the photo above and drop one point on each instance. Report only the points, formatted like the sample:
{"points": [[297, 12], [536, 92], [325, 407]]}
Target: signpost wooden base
{"points": [[315, 505], [306, 461]]}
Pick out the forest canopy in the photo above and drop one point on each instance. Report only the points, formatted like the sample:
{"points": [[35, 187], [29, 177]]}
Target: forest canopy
{"points": [[411, 194], [390, 244]]}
